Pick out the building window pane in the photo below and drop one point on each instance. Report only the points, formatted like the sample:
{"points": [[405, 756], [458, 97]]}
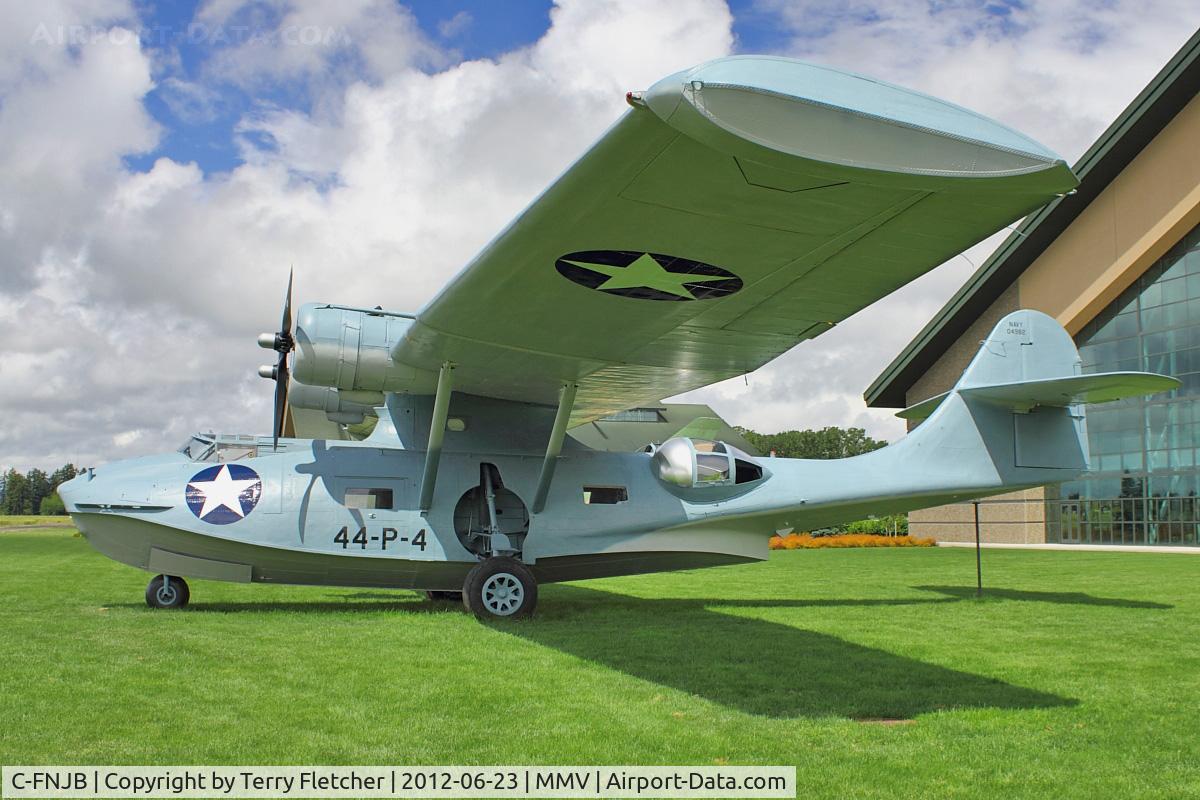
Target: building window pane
{"points": [[1144, 478]]}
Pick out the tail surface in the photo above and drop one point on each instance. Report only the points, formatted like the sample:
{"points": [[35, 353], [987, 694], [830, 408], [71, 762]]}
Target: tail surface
{"points": [[1023, 394], [1014, 420]]}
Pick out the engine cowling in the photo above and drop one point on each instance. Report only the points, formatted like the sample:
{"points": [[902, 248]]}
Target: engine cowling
{"points": [[350, 349], [344, 407]]}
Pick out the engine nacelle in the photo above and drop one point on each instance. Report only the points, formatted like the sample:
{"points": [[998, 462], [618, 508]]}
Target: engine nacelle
{"points": [[351, 349], [701, 469], [345, 407]]}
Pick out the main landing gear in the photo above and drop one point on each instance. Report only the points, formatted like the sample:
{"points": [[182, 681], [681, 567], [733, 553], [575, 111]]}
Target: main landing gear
{"points": [[167, 591], [500, 587]]}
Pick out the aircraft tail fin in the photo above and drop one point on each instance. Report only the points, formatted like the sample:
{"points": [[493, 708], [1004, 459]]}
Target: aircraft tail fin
{"points": [[1022, 394]]}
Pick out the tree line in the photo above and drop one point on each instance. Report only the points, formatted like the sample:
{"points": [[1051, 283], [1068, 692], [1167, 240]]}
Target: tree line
{"points": [[829, 443], [33, 492], [826, 443]]}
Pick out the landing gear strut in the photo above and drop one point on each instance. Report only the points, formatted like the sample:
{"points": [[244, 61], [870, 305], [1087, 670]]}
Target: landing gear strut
{"points": [[500, 587], [167, 591]]}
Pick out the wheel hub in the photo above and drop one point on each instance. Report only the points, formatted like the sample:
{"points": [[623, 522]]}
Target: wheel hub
{"points": [[503, 594]]}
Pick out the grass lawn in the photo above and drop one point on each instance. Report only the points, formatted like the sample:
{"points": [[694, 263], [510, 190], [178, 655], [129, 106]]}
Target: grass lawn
{"points": [[32, 521], [1077, 676]]}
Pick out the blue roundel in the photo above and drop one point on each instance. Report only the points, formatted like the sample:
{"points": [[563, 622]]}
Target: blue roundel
{"points": [[224, 493]]}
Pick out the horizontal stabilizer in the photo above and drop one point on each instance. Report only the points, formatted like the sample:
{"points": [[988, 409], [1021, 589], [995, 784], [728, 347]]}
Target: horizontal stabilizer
{"points": [[1026, 395]]}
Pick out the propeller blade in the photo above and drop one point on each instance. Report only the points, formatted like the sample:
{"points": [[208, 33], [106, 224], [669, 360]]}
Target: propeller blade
{"points": [[283, 343], [281, 391], [286, 325]]}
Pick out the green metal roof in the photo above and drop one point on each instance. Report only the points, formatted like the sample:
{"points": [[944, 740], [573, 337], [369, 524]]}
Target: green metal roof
{"points": [[1172, 88], [673, 418]]}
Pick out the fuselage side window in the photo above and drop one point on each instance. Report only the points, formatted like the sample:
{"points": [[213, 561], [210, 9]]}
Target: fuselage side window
{"points": [[746, 471], [604, 495], [367, 497]]}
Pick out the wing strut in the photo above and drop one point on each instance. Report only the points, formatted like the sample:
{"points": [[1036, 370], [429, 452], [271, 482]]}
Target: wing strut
{"points": [[566, 401], [437, 432]]}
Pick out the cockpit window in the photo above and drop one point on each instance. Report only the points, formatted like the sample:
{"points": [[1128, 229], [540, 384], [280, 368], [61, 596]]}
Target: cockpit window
{"points": [[711, 467], [694, 463], [220, 449], [747, 471], [197, 448]]}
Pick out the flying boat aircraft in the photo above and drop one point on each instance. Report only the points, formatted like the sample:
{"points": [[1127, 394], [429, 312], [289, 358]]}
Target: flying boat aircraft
{"points": [[735, 210]]}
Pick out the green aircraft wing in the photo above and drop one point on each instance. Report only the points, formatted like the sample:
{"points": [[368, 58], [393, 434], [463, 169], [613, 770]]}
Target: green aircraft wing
{"points": [[736, 210]]}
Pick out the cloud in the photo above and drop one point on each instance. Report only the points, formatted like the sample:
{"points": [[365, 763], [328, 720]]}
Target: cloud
{"points": [[312, 43], [64, 127], [190, 101], [35, 38], [456, 25]]}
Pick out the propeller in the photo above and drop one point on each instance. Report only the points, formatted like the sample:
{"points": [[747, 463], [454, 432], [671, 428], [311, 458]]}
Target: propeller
{"points": [[283, 343]]}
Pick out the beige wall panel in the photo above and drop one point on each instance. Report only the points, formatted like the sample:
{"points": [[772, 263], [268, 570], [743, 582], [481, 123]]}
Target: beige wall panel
{"points": [[1158, 179], [1013, 518], [1135, 220]]}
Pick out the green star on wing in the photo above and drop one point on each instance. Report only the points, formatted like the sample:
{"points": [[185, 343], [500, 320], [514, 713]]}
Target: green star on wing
{"points": [[646, 272]]}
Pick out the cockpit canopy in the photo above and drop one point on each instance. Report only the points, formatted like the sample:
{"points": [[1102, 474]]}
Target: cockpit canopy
{"points": [[699, 463]]}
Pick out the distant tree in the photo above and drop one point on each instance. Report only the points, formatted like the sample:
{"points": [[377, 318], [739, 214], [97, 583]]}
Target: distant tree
{"points": [[25, 494], [39, 489], [53, 506], [63, 474], [830, 442], [16, 494]]}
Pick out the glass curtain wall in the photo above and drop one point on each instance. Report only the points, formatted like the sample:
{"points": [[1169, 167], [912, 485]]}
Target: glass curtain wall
{"points": [[1145, 469]]}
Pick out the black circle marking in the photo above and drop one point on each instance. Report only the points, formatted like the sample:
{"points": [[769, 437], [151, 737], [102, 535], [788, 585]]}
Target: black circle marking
{"points": [[699, 290]]}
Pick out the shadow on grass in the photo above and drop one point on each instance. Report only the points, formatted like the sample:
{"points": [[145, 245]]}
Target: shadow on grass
{"points": [[751, 665], [758, 667], [405, 602], [1065, 598]]}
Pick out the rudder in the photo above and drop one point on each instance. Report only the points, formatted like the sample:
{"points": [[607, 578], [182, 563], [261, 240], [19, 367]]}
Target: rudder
{"points": [[1024, 346]]}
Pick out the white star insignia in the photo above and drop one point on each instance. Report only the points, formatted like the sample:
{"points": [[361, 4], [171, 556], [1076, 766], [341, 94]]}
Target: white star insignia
{"points": [[222, 490]]}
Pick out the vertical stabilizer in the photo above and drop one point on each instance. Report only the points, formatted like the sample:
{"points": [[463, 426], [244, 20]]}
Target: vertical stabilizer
{"points": [[1025, 346]]}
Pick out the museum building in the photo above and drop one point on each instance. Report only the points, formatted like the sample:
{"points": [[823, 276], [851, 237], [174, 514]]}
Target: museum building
{"points": [[1118, 264]]}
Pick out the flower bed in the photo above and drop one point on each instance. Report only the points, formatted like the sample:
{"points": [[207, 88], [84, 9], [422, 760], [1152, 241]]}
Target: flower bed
{"points": [[803, 541]]}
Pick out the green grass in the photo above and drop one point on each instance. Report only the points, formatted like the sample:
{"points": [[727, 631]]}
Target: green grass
{"points": [[1077, 676], [32, 521]]}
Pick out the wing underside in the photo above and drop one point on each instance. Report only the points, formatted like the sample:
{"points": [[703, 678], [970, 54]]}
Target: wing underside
{"points": [[738, 209]]}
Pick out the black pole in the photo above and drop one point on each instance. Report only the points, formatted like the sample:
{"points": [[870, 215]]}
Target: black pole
{"points": [[978, 561]]}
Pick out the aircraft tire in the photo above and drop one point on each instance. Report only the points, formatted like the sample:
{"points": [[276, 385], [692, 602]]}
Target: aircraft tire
{"points": [[167, 591], [500, 588], [439, 596]]}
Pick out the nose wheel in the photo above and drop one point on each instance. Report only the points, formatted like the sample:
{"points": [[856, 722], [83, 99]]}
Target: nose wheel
{"points": [[500, 588], [167, 591]]}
